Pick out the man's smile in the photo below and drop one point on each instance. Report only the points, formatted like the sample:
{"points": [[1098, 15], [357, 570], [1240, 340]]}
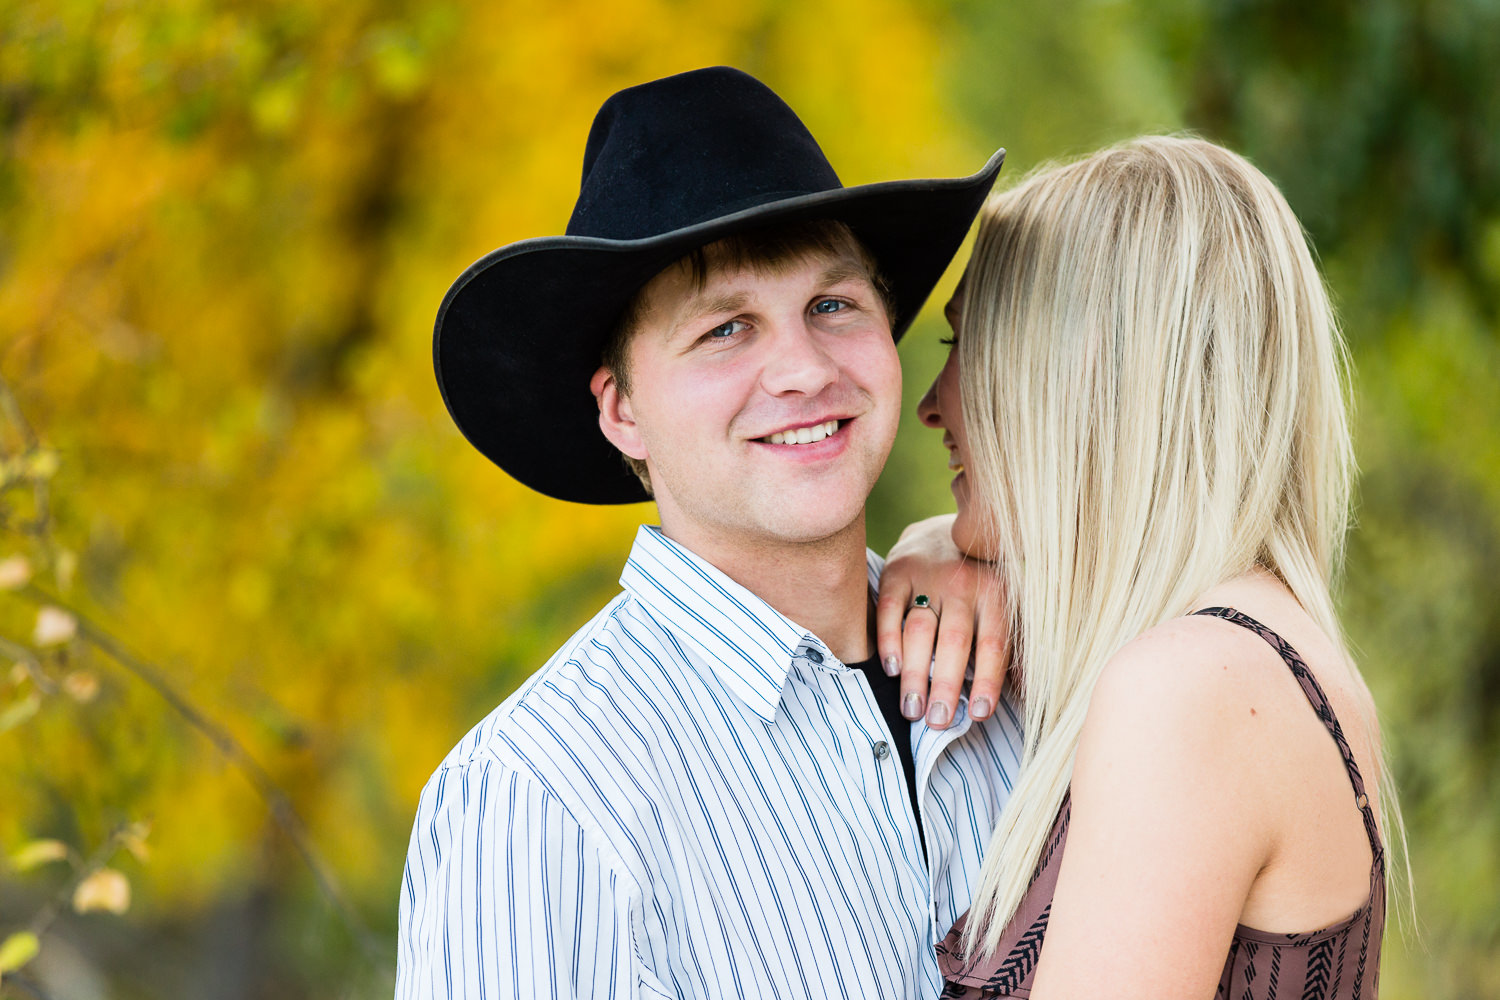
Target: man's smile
{"points": [[807, 434]]}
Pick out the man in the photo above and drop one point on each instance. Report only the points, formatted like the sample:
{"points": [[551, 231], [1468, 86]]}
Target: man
{"points": [[698, 795]]}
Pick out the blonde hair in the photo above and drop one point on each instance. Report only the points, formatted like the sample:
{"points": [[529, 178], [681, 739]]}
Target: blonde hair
{"points": [[1154, 398]]}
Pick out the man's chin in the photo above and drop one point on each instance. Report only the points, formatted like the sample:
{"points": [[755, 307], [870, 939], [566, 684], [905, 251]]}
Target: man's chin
{"points": [[792, 512], [807, 521]]}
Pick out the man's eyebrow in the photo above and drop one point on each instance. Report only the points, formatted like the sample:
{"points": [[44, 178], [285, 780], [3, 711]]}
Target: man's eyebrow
{"points": [[723, 302], [700, 305], [836, 273]]}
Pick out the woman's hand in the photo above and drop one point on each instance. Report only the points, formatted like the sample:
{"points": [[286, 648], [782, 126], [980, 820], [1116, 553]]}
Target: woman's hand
{"points": [[965, 610]]}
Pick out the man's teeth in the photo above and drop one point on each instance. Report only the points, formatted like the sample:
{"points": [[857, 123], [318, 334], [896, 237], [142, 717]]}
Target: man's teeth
{"points": [[804, 435]]}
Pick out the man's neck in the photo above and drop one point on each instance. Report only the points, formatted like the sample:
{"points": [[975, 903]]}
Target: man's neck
{"points": [[824, 586]]}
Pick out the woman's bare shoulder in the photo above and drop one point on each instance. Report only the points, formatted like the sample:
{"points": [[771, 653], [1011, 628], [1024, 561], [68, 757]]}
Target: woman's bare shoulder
{"points": [[1191, 669]]}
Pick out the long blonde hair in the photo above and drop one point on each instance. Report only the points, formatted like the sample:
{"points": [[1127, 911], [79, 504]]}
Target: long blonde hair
{"points": [[1154, 399]]}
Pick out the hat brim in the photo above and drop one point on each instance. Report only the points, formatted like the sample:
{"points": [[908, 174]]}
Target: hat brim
{"points": [[521, 331]]}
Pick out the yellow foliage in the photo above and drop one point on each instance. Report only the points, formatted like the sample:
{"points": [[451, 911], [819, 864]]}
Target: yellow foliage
{"points": [[225, 246], [38, 852]]}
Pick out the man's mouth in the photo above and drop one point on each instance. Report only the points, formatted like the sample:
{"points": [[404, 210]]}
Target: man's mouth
{"points": [[803, 435]]}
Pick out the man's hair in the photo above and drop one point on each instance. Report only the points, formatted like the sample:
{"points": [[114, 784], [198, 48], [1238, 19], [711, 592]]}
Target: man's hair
{"points": [[772, 250]]}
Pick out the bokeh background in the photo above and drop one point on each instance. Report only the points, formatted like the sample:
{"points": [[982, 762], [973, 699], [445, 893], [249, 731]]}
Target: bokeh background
{"points": [[253, 584]]}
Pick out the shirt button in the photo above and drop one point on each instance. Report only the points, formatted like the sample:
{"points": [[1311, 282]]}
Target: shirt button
{"points": [[814, 655], [882, 750]]}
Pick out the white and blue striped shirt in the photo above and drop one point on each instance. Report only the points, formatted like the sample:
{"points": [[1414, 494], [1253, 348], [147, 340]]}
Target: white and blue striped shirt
{"points": [[695, 798]]}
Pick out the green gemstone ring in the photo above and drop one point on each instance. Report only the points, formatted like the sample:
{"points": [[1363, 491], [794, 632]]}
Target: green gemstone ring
{"points": [[921, 601]]}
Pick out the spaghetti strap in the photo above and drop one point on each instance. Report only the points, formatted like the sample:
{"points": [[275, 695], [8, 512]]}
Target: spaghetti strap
{"points": [[1314, 693]]}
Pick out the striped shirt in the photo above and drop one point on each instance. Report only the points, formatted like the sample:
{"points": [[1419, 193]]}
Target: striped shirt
{"points": [[695, 798]]}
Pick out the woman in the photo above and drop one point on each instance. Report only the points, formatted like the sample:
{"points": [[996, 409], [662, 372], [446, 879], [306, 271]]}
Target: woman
{"points": [[1144, 403]]}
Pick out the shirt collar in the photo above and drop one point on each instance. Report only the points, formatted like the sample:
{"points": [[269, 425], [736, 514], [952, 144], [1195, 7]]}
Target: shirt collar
{"points": [[750, 645]]}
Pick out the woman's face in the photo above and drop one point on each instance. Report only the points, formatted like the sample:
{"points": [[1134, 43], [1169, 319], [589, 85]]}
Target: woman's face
{"points": [[942, 407]]}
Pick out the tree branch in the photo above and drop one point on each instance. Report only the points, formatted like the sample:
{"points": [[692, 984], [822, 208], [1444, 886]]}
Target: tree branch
{"points": [[282, 812]]}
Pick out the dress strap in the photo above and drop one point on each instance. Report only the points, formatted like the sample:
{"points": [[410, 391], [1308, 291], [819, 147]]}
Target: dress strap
{"points": [[1314, 693]]}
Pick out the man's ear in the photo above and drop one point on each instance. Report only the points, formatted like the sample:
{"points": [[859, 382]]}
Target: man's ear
{"points": [[616, 419]]}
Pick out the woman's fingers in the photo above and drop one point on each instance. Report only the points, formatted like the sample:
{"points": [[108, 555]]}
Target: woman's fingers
{"points": [[920, 560], [963, 623], [917, 640], [950, 660], [890, 613], [991, 655]]}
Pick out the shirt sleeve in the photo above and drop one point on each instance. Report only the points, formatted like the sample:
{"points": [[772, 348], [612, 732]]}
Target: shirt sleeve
{"points": [[506, 895]]}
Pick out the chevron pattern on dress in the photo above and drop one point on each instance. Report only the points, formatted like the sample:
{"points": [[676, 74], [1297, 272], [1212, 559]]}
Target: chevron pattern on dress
{"points": [[1319, 968], [1022, 958], [1059, 835], [1251, 947], [1275, 973], [1364, 952], [1338, 966], [1226, 980]]}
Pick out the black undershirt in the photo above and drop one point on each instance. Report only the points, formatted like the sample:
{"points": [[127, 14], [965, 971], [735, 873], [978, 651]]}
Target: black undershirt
{"points": [[887, 692]]}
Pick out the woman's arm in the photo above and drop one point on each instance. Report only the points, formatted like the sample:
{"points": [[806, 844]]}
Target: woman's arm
{"points": [[965, 613], [1171, 823]]}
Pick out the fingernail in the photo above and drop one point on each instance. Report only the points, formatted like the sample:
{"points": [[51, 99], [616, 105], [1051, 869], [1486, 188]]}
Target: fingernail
{"points": [[937, 714], [892, 666], [911, 706], [980, 708]]}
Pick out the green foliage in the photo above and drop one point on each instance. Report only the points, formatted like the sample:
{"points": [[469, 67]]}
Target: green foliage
{"points": [[18, 949], [1379, 121]]}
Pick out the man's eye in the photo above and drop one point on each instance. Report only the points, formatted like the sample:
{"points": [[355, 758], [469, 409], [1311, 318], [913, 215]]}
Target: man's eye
{"points": [[724, 330], [829, 305]]}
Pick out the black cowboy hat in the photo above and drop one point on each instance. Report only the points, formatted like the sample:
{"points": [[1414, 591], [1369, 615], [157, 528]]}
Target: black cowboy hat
{"points": [[670, 166]]}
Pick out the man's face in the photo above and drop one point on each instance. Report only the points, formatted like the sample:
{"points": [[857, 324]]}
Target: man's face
{"points": [[726, 380]]}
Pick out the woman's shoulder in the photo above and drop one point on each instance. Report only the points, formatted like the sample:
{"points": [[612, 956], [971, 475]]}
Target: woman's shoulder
{"points": [[1196, 670], [1199, 699], [1232, 660], [1212, 702]]}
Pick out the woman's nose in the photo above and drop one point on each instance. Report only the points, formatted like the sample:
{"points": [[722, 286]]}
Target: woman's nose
{"points": [[927, 407], [930, 406]]}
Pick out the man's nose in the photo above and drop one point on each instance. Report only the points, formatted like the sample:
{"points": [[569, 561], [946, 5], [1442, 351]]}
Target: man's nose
{"points": [[799, 362]]}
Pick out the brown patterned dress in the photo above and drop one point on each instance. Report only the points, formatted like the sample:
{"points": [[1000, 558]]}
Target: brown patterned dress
{"points": [[1341, 962]]}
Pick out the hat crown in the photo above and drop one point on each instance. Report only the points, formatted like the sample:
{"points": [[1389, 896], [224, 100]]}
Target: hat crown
{"points": [[689, 148]]}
